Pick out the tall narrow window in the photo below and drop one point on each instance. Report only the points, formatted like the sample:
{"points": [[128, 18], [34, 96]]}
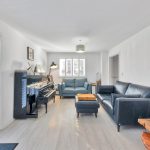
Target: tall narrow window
{"points": [[68, 67], [72, 67], [62, 65], [75, 67], [82, 67]]}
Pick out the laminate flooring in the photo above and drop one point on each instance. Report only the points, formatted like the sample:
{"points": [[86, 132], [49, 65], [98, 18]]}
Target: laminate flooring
{"points": [[59, 129]]}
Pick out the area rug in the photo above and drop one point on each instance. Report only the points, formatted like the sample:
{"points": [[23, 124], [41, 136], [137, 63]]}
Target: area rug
{"points": [[8, 146]]}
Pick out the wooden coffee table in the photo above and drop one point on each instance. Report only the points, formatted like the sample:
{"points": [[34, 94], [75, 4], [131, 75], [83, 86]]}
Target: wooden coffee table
{"points": [[145, 135], [86, 97]]}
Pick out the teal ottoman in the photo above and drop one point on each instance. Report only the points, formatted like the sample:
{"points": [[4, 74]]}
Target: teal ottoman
{"points": [[86, 106]]}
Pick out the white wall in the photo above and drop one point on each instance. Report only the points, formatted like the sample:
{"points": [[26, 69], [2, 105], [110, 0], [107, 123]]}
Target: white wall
{"points": [[113, 69], [0, 80], [134, 61], [104, 68], [13, 57], [92, 64]]}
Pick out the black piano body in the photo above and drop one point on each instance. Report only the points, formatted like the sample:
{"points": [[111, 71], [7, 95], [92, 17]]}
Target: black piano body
{"points": [[27, 99], [39, 93]]}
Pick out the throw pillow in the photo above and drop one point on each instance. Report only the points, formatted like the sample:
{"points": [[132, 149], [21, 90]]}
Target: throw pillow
{"points": [[86, 85]]}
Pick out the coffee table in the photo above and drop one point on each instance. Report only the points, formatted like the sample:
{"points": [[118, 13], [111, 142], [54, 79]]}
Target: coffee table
{"points": [[145, 135], [86, 103]]}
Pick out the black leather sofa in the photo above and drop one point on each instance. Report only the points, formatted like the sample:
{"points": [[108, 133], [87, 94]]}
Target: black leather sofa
{"points": [[125, 102]]}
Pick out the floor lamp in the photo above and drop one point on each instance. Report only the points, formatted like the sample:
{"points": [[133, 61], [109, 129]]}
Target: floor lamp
{"points": [[49, 76]]}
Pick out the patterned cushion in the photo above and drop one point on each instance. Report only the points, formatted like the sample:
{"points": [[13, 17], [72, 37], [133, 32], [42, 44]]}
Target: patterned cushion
{"points": [[80, 82]]}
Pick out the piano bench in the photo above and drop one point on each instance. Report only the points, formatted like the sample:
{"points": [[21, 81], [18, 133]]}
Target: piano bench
{"points": [[46, 98]]}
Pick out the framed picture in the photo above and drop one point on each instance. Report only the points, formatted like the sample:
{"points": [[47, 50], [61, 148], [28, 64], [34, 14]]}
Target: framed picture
{"points": [[30, 53]]}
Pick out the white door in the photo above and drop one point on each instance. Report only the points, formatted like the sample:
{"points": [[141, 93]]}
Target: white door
{"points": [[0, 83], [113, 69]]}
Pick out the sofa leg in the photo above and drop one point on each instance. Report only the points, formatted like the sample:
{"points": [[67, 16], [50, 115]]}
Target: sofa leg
{"points": [[118, 127], [77, 115]]}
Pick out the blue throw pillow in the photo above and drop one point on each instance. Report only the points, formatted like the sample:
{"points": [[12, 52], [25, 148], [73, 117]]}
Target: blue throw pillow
{"points": [[86, 85]]}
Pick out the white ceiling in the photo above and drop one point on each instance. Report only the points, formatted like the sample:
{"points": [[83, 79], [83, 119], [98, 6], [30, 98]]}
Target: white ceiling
{"points": [[55, 24]]}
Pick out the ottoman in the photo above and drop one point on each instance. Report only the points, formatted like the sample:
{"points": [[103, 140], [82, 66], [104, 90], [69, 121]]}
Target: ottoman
{"points": [[86, 105]]}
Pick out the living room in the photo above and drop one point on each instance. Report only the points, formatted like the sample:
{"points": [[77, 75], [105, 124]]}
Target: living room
{"points": [[77, 48]]}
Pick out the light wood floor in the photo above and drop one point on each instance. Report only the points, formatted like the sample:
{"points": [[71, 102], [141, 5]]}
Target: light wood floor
{"points": [[59, 129]]}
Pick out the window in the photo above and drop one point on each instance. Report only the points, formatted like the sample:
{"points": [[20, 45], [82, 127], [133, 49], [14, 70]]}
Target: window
{"points": [[62, 67], [82, 67], [75, 67], [72, 67], [68, 67]]}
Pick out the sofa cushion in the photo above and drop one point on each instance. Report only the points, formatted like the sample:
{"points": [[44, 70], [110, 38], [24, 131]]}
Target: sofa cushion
{"points": [[68, 90], [108, 104], [135, 89], [120, 87], [105, 97], [69, 82], [80, 82], [105, 89], [87, 104], [80, 90]]}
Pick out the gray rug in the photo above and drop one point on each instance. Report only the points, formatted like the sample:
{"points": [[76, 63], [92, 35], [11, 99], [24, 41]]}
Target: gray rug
{"points": [[8, 146]]}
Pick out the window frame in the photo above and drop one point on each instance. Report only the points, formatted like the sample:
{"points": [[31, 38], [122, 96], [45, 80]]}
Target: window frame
{"points": [[73, 67]]}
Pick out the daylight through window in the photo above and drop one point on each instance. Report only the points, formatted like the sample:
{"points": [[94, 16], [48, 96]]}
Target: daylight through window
{"points": [[72, 67]]}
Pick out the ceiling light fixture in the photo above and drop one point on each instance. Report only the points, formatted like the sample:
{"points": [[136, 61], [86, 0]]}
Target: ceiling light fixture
{"points": [[80, 48]]}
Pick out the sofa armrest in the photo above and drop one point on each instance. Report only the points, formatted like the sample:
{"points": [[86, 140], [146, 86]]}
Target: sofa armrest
{"points": [[60, 88], [89, 88], [128, 110], [105, 89], [98, 97]]}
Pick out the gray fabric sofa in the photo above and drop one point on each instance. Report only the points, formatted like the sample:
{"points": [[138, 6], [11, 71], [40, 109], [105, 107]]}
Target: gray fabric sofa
{"points": [[72, 86], [125, 102]]}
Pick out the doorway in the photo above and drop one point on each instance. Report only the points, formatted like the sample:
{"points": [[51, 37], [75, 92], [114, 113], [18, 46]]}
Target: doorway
{"points": [[113, 69], [0, 84]]}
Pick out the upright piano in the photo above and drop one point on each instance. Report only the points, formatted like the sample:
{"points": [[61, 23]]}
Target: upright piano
{"points": [[29, 92]]}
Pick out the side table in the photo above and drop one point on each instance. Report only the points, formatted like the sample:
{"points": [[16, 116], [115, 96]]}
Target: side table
{"points": [[145, 135], [93, 86]]}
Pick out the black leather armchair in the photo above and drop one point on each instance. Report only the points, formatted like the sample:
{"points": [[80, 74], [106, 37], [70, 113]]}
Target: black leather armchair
{"points": [[126, 108]]}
